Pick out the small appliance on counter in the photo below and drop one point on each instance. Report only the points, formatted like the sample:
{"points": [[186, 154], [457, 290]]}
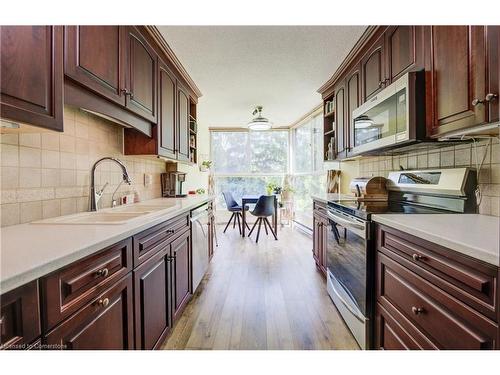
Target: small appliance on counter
{"points": [[350, 240], [171, 184]]}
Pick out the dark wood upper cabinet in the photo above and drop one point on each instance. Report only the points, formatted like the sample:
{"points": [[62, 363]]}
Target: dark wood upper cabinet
{"points": [[104, 323], [152, 301], [31, 89], [458, 68], [340, 120], [353, 97], [20, 317], [373, 69], [493, 95], [183, 119], [167, 120], [181, 272], [404, 46], [141, 75], [93, 58]]}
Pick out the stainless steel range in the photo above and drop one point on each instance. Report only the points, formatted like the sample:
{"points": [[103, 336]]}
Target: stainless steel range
{"points": [[350, 247]]}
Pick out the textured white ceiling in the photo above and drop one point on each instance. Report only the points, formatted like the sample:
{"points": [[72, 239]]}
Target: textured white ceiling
{"points": [[279, 67]]}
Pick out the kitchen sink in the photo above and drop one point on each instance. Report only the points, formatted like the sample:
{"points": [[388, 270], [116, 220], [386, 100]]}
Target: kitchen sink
{"points": [[117, 215]]}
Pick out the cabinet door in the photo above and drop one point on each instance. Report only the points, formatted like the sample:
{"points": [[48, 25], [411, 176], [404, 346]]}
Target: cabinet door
{"points": [[31, 88], [181, 272], [93, 58], [183, 120], [323, 244], [152, 301], [20, 317], [316, 238], [493, 37], [211, 235], [404, 46], [372, 70], [340, 135], [104, 323], [458, 74], [353, 101], [141, 81], [167, 120]]}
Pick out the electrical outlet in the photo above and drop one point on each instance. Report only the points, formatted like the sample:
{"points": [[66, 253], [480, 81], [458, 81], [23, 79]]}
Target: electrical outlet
{"points": [[148, 179]]}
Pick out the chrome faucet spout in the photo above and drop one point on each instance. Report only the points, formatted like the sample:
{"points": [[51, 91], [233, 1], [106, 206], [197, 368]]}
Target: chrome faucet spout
{"points": [[95, 197]]}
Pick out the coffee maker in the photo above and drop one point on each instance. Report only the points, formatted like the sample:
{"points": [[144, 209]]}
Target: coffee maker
{"points": [[171, 184]]}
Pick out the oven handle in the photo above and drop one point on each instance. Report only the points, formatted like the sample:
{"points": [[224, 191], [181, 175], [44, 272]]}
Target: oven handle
{"points": [[356, 314], [344, 222]]}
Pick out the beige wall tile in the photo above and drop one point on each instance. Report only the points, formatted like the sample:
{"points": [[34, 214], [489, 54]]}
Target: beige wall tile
{"points": [[9, 214], [68, 206], [50, 141], [81, 146], [448, 158], [82, 162], [29, 157], [82, 178], [10, 178], [37, 194], [68, 160], [68, 177], [9, 139], [50, 177], [8, 196], [422, 161], [30, 140], [9, 155], [462, 157], [66, 143], [82, 204], [30, 177], [434, 160], [31, 211], [81, 130], [51, 208], [50, 159]]}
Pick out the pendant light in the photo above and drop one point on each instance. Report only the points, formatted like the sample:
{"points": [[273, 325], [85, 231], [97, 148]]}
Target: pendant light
{"points": [[259, 123]]}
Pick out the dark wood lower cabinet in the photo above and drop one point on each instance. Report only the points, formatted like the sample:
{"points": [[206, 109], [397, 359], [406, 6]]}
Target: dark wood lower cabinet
{"points": [[20, 317], [152, 287], [320, 234], [428, 296], [104, 323], [181, 272]]}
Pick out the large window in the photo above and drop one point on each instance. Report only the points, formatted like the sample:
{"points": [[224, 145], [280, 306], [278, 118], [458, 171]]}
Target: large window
{"points": [[307, 166], [245, 162]]}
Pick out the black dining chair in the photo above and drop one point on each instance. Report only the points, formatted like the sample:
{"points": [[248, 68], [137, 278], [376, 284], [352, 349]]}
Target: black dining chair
{"points": [[262, 210], [236, 209]]}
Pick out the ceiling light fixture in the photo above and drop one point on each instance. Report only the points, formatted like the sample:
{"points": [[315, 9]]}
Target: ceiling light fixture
{"points": [[259, 122]]}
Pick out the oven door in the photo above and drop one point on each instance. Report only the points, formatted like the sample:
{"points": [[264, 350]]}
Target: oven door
{"points": [[347, 270]]}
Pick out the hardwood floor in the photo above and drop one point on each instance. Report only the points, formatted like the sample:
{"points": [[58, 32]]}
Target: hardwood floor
{"points": [[261, 296]]}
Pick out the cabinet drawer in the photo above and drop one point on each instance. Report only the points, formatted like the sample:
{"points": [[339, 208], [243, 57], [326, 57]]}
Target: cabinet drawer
{"points": [[446, 321], [469, 280], [104, 322], [20, 317], [149, 242], [320, 208], [68, 289]]}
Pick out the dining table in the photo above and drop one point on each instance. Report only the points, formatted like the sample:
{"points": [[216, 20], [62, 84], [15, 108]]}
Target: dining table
{"points": [[252, 199]]}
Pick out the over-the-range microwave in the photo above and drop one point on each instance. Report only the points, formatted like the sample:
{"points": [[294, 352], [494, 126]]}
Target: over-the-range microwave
{"points": [[392, 118]]}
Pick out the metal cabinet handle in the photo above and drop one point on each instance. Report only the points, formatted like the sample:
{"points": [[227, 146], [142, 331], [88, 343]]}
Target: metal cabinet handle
{"points": [[127, 92], [2, 328], [417, 310], [102, 272], [490, 97], [170, 231], [381, 84], [103, 302], [417, 257], [476, 102]]}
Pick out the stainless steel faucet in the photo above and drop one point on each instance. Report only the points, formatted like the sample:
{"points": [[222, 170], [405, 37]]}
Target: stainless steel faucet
{"points": [[95, 196]]}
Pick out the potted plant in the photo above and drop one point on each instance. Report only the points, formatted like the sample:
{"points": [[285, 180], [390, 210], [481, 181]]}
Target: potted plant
{"points": [[205, 165]]}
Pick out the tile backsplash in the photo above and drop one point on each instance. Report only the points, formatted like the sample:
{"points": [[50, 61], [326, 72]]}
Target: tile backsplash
{"points": [[448, 157], [47, 174]]}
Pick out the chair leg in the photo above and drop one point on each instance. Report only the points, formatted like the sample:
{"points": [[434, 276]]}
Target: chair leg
{"points": [[265, 227], [239, 224], [253, 227], [246, 224], [229, 222], [258, 230], [271, 228], [234, 222]]}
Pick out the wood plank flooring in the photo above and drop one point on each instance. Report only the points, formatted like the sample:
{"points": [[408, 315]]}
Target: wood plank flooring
{"points": [[261, 296]]}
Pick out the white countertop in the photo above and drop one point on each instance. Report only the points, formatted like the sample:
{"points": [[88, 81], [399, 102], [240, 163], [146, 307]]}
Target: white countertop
{"points": [[30, 251], [326, 197], [474, 235]]}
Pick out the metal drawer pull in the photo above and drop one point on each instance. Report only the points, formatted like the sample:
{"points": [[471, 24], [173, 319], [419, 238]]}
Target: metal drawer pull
{"points": [[417, 257], [103, 302], [170, 231], [103, 272], [417, 310], [476, 101], [490, 97]]}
